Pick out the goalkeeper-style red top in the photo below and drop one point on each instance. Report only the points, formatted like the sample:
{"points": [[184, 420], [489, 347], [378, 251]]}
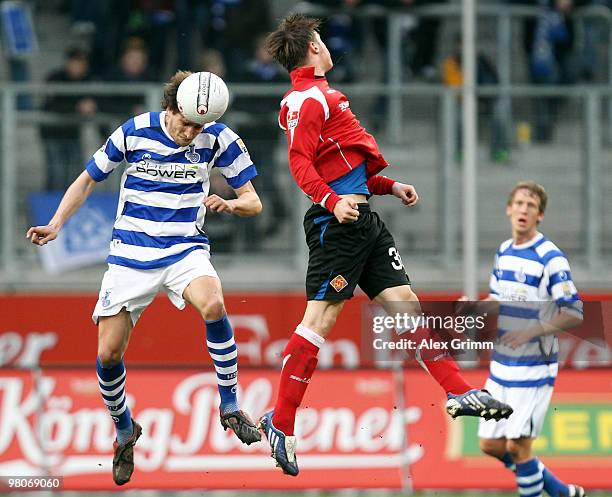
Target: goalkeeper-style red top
{"points": [[326, 140]]}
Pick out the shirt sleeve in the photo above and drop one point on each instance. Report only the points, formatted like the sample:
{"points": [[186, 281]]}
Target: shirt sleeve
{"points": [[380, 185], [304, 127], [559, 284], [233, 160], [108, 157]]}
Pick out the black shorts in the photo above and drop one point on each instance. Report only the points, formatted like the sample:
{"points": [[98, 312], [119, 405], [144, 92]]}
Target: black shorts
{"points": [[342, 256]]}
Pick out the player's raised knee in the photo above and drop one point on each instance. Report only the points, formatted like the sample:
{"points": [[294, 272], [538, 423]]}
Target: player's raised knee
{"points": [[109, 357], [211, 309], [519, 449]]}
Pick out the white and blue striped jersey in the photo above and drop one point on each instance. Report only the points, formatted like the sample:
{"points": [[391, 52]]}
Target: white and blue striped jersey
{"points": [[532, 281], [160, 213]]}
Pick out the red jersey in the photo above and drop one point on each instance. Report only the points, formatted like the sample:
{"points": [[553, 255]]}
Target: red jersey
{"points": [[325, 139]]}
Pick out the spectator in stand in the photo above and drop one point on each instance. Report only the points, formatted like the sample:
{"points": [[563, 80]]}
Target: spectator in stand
{"points": [[422, 42], [549, 41], [110, 18], [233, 26], [152, 21], [133, 67], [344, 32], [489, 108], [62, 141]]}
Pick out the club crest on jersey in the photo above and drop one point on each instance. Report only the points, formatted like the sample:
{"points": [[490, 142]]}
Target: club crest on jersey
{"points": [[292, 118], [520, 276], [192, 155], [344, 105], [339, 283]]}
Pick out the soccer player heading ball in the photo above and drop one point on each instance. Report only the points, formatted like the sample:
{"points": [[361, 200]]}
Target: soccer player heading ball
{"points": [[336, 163], [158, 241]]}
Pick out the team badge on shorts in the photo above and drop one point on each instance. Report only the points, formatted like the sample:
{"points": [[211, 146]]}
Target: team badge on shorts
{"points": [[339, 283], [105, 301]]}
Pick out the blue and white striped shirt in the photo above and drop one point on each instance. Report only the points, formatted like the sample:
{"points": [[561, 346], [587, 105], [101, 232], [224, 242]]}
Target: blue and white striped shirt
{"points": [[160, 213], [531, 281]]}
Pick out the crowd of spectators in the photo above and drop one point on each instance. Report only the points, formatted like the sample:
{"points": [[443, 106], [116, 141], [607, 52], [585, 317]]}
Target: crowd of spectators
{"points": [[147, 40]]}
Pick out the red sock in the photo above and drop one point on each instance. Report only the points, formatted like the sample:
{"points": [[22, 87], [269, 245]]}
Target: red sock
{"points": [[440, 364], [299, 363]]}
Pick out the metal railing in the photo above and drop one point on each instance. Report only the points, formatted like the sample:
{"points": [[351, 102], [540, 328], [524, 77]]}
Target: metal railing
{"points": [[444, 141]]}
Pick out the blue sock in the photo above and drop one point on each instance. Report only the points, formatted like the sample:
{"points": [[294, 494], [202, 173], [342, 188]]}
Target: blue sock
{"points": [[112, 387], [529, 478], [222, 349], [553, 486], [508, 461]]}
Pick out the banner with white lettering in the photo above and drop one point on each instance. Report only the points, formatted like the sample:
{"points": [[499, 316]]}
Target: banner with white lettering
{"points": [[356, 429], [350, 435]]}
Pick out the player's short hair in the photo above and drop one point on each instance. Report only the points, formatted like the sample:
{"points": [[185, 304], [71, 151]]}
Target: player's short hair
{"points": [[288, 45], [533, 187], [170, 89]]}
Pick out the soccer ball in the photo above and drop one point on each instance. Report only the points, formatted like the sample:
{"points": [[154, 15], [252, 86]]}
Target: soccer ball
{"points": [[202, 97]]}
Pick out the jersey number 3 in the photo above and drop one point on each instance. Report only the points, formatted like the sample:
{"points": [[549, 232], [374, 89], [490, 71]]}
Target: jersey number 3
{"points": [[396, 263]]}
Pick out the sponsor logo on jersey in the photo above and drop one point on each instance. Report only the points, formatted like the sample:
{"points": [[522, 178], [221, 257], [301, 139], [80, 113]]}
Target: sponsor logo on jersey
{"points": [[339, 283], [178, 171], [191, 155], [292, 118]]}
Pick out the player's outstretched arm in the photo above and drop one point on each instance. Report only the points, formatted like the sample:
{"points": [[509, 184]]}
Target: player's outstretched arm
{"points": [[75, 196], [247, 204]]}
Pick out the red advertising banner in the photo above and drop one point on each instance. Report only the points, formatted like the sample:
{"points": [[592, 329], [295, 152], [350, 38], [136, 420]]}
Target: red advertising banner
{"points": [[350, 435], [355, 430], [58, 330]]}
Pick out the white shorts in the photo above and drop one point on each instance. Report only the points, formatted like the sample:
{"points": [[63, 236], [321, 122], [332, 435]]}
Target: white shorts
{"points": [[530, 406], [135, 289]]}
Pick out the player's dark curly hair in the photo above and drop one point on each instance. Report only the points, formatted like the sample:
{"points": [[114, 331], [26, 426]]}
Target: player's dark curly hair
{"points": [[288, 45], [535, 189], [170, 89]]}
